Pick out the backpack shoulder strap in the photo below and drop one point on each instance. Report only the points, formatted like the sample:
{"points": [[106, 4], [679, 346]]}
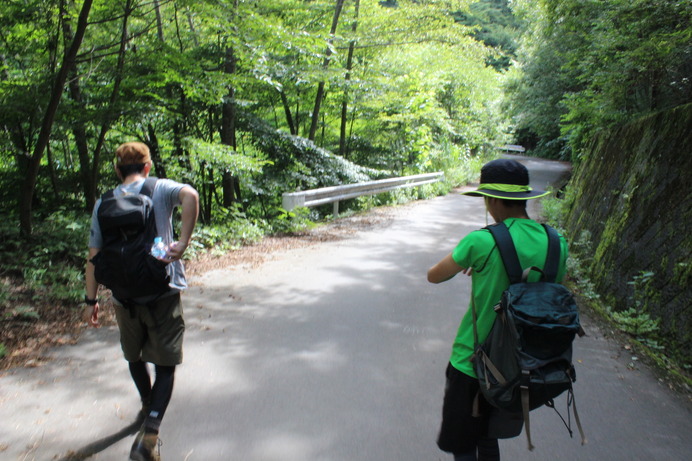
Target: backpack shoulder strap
{"points": [[148, 190], [552, 260], [508, 251], [107, 195], [148, 187]]}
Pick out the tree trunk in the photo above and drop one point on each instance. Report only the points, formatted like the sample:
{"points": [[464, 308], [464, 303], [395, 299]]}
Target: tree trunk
{"points": [[287, 111], [191, 24], [29, 186], [325, 65], [228, 108], [205, 191], [230, 184], [344, 104], [159, 23], [153, 143], [78, 129], [108, 119], [180, 126], [51, 171]]}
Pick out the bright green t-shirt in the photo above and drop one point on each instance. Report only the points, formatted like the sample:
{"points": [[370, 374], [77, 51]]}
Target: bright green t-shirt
{"points": [[489, 278]]}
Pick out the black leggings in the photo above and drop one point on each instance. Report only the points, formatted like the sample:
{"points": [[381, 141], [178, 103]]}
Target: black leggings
{"points": [[156, 397]]}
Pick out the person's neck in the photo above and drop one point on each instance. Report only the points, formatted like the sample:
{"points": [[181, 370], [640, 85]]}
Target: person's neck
{"points": [[133, 178], [518, 214]]}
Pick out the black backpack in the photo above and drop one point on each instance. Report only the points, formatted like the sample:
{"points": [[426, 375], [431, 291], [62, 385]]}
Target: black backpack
{"points": [[124, 263], [526, 360]]}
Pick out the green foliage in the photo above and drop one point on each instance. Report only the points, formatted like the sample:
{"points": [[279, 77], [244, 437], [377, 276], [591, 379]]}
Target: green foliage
{"points": [[578, 263], [495, 25], [296, 220], [438, 104], [556, 208], [592, 65], [23, 313], [51, 265], [56, 282], [3, 350], [465, 168], [5, 296], [636, 320], [418, 91], [226, 89], [231, 233]]}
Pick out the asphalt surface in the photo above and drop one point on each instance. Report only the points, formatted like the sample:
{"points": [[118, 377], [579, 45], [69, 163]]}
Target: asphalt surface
{"points": [[331, 352]]}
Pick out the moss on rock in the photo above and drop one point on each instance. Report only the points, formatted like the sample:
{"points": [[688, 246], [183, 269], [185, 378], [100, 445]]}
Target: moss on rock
{"points": [[634, 198]]}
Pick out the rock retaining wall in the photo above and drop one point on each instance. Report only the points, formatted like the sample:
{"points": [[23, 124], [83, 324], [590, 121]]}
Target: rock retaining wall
{"points": [[634, 197]]}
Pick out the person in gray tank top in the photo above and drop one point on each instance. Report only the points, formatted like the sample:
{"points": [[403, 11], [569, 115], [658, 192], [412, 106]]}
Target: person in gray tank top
{"points": [[151, 328]]}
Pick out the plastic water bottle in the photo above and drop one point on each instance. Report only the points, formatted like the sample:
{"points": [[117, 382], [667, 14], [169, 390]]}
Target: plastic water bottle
{"points": [[158, 249]]}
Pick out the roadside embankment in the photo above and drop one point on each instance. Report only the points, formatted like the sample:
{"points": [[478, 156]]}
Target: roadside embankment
{"points": [[632, 209]]}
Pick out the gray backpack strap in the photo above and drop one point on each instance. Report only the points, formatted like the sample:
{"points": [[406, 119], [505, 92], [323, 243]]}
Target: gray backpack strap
{"points": [[577, 420], [524, 389]]}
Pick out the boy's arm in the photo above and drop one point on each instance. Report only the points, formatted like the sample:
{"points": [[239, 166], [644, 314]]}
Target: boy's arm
{"points": [[91, 313], [445, 270], [189, 199]]}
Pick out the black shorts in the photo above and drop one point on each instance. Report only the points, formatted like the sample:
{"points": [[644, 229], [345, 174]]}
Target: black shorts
{"points": [[460, 430]]}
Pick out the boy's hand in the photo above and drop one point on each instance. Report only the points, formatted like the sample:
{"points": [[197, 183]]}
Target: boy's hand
{"points": [[175, 251], [91, 315]]}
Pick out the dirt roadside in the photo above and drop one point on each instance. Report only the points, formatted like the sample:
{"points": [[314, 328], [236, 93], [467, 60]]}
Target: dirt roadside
{"points": [[27, 337]]}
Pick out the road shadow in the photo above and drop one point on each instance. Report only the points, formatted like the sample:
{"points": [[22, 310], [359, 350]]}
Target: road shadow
{"points": [[101, 444]]}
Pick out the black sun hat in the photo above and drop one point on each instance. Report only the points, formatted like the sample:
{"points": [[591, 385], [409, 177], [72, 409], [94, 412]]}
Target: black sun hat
{"points": [[506, 179]]}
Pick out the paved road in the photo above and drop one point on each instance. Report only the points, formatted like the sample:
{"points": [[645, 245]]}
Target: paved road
{"points": [[334, 352]]}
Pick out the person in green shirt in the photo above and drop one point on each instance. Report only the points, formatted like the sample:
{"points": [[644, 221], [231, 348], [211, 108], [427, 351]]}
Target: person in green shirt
{"points": [[505, 188]]}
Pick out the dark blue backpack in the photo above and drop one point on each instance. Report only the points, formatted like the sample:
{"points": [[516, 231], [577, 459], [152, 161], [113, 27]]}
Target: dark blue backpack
{"points": [[526, 360]]}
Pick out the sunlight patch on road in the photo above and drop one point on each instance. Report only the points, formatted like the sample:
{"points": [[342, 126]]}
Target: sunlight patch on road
{"points": [[289, 446], [322, 357]]}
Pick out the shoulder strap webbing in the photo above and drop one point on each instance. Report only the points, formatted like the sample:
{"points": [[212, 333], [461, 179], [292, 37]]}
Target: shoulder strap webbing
{"points": [[552, 260], [148, 187], [106, 195], [148, 190], [508, 251]]}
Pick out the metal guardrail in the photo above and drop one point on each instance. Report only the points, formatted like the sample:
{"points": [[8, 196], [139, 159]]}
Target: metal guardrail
{"points": [[334, 194], [512, 148]]}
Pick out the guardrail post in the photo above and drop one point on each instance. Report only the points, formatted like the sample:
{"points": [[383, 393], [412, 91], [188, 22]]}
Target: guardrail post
{"points": [[336, 208]]}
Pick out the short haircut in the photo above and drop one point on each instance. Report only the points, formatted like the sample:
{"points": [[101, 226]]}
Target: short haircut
{"points": [[133, 168], [509, 203]]}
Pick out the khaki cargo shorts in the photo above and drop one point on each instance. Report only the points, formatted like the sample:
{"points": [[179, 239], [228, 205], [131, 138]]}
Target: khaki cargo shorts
{"points": [[152, 333]]}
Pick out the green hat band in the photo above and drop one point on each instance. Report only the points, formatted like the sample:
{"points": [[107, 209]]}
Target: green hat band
{"points": [[505, 187]]}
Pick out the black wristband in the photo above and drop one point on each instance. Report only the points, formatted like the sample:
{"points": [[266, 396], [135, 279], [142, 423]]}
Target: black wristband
{"points": [[90, 302]]}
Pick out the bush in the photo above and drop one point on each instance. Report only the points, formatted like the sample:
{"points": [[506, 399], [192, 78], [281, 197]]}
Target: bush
{"points": [[219, 239], [295, 220], [50, 266]]}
